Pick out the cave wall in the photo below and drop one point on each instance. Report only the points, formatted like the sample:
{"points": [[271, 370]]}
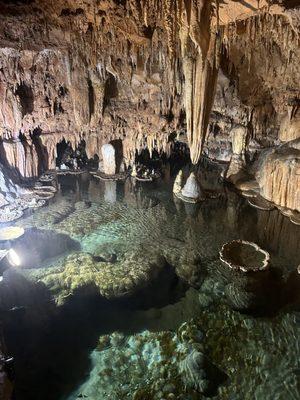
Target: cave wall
{"points": [[106, 70], [80, 73]]}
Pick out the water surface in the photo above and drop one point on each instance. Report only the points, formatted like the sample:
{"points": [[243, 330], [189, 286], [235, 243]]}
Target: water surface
{"points": [[75, 337]]}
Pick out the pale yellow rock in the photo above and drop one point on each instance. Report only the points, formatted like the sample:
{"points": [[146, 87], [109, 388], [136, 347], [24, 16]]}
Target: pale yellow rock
{"points": [[236, 172], [11, 233], [239, 139], [289, 128], [191, 189], [279, 177], [248, 185], [134, 173], [178, 183]]}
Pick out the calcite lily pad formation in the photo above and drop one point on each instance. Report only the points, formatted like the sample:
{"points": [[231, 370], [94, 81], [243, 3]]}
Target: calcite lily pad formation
{"points": [[11, 233], [244, 256]]}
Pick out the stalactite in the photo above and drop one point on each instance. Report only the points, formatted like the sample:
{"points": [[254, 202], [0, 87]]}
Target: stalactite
{"points": [[198, 45]]}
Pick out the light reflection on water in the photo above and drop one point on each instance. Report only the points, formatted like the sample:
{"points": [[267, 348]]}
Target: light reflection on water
{"points": [[130, 216]]}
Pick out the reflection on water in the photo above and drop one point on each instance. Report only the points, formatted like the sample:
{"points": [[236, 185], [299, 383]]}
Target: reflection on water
{"points": [[147, 264]]}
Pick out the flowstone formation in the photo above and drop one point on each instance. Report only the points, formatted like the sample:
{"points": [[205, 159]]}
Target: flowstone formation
{"points": [[191, 191], [14, 199]]}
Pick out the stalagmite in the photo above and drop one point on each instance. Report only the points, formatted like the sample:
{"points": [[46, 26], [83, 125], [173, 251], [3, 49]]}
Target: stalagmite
{"points": [[191, 188], [109, 159], [133, 172]]}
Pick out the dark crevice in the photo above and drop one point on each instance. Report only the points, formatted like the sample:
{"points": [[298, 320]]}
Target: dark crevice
{"points": [[25, 94], [91, 96], [110, 90]]}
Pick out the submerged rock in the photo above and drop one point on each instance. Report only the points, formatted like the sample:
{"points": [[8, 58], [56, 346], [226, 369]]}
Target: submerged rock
{"points": [[109, 278], [240, 299], [37, 245], [193, 372]]}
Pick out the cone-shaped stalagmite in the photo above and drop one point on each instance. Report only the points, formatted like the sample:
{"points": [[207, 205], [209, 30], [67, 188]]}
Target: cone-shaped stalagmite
{"points": [[191, 189]]}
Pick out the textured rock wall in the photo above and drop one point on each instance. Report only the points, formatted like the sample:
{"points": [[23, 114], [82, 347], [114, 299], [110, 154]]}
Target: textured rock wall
{"points": [[82, 73], [132, 70]]}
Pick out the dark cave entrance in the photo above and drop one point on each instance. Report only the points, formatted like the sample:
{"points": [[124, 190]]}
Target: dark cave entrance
{"points": [[152, 162], [67, 158], [40, 149], [180, 155], [118, 146]]}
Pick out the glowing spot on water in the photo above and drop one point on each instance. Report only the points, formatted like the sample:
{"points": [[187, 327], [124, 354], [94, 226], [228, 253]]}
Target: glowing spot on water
{"points": [[13, 258]]}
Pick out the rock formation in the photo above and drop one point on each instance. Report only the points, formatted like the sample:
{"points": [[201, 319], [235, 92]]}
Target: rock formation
{"points": [[191, 188], [109, 159], [279, 175], [178, 183]]}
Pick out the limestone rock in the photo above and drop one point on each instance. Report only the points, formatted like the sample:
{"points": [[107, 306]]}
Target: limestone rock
{"points": [[289, 128], [177, 187], [279, 176], [3, 201], [236, 172], [109, 159], [239, 139], [191, 188]]}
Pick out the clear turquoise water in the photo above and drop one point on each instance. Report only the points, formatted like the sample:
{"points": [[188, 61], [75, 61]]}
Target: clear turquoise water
{"points": [[112, 349]]}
